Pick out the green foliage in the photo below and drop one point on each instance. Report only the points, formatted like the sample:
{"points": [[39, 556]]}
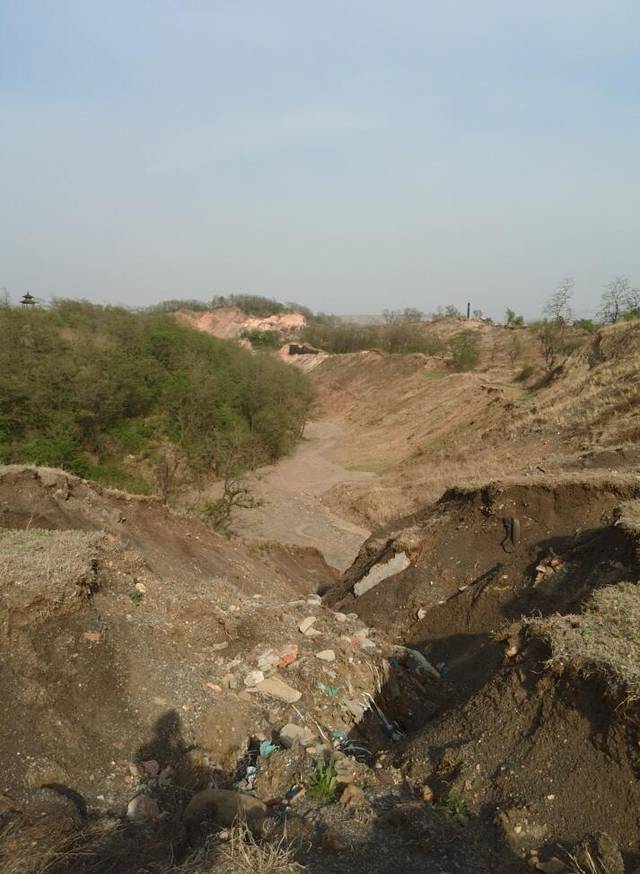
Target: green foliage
{"points": [[250, 304], [263, 339], [465, 350], [324, 782], [585, 325], [512, 320], [235, 496], [83, 386], [453, 804], [136, 596], [398, 335]]}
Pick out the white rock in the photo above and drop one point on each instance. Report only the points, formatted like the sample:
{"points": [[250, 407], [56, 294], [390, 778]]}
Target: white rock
{"points": [[253, 678], [306, 624], [277, 688], [326, 655], [291, 734], [340, 617]]}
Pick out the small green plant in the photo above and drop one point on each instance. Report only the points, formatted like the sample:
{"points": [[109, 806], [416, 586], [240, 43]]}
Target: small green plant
{"points": [[136, 596], [323, 784], [452, 804]]}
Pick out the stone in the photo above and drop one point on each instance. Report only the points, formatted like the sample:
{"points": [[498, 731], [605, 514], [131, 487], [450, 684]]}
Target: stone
{"points": [[353, 796], [287, 655], [224, 806], [253, 678], [291, 734], [142, 808], [398, 562], [277, 688], [355, 709], [313, 632], [306, 624], [421, 613], [314, 599], [151, 768], [340, 617], [426, 793], [326, 655]]}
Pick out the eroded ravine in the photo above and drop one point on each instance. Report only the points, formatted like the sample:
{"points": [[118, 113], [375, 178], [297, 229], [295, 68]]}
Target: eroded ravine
{"points": [[291, 491]]}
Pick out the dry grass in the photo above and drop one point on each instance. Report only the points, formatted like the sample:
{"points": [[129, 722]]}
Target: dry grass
{"points": [[40, 848], [241, 853], [603, 640], [590, 866]]}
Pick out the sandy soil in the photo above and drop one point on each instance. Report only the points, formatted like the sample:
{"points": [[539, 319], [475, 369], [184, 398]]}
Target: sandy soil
{"points": [[293, 511]]}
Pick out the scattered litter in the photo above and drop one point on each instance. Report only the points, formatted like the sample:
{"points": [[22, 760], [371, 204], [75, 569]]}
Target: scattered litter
{"points": [[246, 784], [421, 613], [267, 748], [329, 690], [92, 636]]}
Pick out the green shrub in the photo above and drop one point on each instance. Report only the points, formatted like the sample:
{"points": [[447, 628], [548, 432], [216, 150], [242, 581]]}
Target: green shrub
{"points": [[465, 350]]}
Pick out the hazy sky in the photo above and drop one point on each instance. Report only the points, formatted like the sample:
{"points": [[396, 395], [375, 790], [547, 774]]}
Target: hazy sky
{"points": [[350, 155]]}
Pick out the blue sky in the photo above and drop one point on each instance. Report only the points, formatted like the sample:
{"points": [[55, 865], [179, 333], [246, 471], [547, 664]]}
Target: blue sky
{"points": [[350, 155]]}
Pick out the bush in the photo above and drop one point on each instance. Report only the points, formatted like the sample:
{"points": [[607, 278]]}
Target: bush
{"points": [[465, 350], [399, 335]]}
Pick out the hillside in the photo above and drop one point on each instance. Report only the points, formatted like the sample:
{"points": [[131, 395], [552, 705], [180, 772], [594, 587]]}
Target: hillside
{"points": [[420, 428]]}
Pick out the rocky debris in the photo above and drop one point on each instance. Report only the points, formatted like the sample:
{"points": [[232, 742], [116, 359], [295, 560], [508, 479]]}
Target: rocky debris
{"points": [[291, 734], [548, 567], [142, 808], [277, 688], [326, 655], [306, 624], [426, 793], [224, 806], [253, 679], [340, 617]]}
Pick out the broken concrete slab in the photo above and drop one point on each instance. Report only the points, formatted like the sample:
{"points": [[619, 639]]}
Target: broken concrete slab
{"points": [[398, 562]]}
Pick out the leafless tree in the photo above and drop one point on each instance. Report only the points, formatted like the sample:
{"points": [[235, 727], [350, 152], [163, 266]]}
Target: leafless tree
{"points": [[618, 299]]}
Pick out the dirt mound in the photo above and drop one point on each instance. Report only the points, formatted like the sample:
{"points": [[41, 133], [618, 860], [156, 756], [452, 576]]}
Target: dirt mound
{"points": [[230, 322], [549, 746]]}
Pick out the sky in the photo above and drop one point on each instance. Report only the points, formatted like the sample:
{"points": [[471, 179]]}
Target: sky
{"points": [[351, 156]]}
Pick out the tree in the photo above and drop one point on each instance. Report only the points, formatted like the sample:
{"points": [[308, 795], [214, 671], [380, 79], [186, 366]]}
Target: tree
{"points": [[557, 307], [619, 300], [551, 333], [512, 320]]}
